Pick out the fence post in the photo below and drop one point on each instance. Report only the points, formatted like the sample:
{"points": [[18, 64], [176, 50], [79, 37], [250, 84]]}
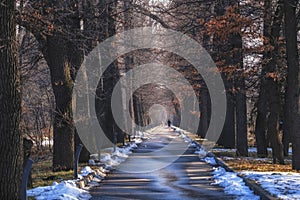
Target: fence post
{"points": [[77, 154], [25, 178], [123, 139], [115, 140]]}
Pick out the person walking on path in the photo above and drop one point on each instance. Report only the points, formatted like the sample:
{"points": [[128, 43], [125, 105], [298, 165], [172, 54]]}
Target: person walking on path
{"points": [[169, 124]]}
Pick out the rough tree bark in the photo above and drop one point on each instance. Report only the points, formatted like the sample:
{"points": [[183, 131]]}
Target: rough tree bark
{"points": [[110, 76], [292, 91], [240, 98], [205, 109], [260, 132], [227, 138], [63, 56], [27, 146], [269, 96], [62, 82], [10, 105]]}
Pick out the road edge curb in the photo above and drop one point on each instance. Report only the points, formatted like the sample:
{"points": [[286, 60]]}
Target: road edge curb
{"points": [[256, 188]]}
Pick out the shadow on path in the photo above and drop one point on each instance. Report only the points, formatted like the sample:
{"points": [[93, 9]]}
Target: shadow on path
{"points": [[186, 178]]}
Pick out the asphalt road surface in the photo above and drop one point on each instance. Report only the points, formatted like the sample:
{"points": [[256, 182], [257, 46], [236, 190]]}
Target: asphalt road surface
{"points": [[185, 178]]}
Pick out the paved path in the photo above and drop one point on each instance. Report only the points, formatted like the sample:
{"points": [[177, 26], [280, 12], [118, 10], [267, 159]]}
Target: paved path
{"points": [[186, 178]]}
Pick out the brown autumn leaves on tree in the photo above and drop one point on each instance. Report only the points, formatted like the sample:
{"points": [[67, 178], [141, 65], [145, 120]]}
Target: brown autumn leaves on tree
{"points": [[58, 29], [224, 30], [272, 78], [67, 31]]}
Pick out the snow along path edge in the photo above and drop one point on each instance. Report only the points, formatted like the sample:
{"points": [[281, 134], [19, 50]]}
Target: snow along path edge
{"points": [[256, 188], [88, 178]]}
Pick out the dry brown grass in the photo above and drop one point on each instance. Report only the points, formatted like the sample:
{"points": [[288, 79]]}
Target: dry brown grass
{"points": [[253, 163], [241, 164], [42, 174]]}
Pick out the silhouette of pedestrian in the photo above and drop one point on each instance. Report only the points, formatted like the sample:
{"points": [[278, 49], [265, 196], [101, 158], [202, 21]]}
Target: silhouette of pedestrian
{"points": [[169, 123]]}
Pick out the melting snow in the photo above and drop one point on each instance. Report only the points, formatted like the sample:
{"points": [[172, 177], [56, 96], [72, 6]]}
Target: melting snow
{"points": [[233, 184], [66, 190], [86, 171], [282, 185], [201, 152], [210, 160]]}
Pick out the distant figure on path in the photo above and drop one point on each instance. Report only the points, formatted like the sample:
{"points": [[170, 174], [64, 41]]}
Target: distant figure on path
{"points": [[169, 123]]}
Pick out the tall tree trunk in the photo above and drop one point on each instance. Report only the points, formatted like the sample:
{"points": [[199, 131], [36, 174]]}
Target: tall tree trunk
{"points": [[204, 108], [110, 76], [176, 117], [128, 64], [269, 97], [62, 84], [227, 138], [131, 107], [61, 51], [240, 97], [260, 128], [241, 119], [204, 95], [261, 118], [83, 107], [292, 91], [286, 137], [273, 87], [27, 146], [272, 134], [10, 105]]}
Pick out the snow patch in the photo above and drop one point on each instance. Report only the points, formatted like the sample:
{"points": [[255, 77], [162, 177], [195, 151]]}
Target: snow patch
{"points": [[210, 160], [233, 184], [201, 152], [66, 190], [282, 185], [86, 171]]}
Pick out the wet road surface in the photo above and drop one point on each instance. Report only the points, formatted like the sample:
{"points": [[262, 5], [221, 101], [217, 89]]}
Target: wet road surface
{"points": [[186, 178]]}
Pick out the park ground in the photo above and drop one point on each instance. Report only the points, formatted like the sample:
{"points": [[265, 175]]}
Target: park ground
{"points": [[194, 175]]}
